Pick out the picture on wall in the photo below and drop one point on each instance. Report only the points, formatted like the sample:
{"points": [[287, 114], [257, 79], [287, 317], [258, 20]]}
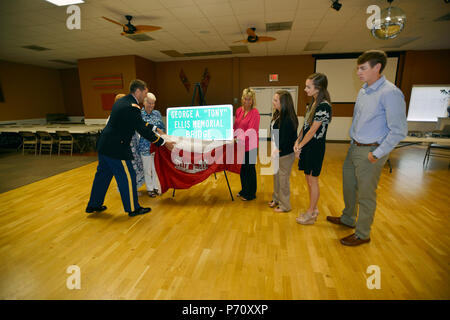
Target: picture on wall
{"points": [[108, 100], [108, 82]]}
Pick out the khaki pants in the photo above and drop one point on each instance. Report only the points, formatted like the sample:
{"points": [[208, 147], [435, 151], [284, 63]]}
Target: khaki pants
{"points": [[281, 182], [360, 179]]}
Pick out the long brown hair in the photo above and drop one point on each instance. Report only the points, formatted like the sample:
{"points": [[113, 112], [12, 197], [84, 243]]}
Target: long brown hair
{"points": [[287, 108], [320, 82]]}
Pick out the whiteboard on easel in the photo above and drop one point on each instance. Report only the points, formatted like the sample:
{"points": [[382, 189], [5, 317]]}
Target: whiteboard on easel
{"points": [[428, 102]]}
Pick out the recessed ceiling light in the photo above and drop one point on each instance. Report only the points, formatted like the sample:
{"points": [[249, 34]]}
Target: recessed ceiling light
{"points": [[239, 49], [65, 2], [139, 37], [36, 48], [279, 26], [315, 45]]}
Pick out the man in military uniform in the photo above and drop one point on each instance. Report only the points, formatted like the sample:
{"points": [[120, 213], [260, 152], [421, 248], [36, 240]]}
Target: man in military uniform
{"points": [[114, 152]]}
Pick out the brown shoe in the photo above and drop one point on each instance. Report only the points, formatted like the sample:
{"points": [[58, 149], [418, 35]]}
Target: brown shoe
{"points": [[337, 220], [353, 240]]}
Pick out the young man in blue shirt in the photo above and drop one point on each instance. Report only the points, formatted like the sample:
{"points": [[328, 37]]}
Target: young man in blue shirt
{"points": [[379, 124]]}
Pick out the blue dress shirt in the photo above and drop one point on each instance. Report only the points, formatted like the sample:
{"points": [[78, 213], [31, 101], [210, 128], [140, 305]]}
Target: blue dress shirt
{"points": [[379, 116]]}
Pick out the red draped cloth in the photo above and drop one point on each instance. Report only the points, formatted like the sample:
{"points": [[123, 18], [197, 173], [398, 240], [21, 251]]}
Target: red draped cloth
{"points": [[181, 169]]}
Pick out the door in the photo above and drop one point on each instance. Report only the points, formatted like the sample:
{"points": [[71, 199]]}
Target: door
{"points": [[264, 97], [264, 106]]}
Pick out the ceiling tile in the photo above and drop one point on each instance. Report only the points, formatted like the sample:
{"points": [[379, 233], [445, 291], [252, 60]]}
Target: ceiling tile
{"points": [[184, 13], [279, 16], [177, 3], [248, 7], [216, 10], [206, 25], [281, 5]]}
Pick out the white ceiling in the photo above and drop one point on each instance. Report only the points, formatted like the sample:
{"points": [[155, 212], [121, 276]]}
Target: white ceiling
{"points": [[208, 25]]}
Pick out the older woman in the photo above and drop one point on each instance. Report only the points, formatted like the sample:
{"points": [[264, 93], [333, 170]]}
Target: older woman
{"points": [[148, 157], [246, 128]]}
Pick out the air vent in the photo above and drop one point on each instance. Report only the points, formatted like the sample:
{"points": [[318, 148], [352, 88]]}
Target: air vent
{"points": [[172, 53], [443, 18], [315, 45], [176, 54], [35, 48], [279, 26], [71, 63], [139, 37], [239, 49], [212, 53]]}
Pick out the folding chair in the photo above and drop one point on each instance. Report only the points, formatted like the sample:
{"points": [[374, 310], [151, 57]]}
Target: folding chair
{"points": [[65, 142], [29, 141], [46, 141]]}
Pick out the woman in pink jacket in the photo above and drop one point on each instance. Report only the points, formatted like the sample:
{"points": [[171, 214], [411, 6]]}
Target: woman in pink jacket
{"points": [[246, 126]]}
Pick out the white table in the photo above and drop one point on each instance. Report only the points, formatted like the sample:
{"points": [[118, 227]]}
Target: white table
{"points": [[432, 142], [81, 129], [52, 128]]}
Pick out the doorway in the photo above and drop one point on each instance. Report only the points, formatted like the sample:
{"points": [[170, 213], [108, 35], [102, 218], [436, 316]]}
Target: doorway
{"points": [[264, 97]]}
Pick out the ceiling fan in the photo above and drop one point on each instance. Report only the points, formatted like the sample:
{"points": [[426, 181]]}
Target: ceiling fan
{"points": [[253, 38], [132, 29]]}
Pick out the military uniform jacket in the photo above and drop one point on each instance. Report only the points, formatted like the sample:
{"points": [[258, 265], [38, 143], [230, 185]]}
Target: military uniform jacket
{"points": [[124, 120]]}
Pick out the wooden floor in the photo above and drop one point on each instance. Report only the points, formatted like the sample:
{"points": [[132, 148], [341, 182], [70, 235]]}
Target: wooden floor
{"points": [[201, 245]]}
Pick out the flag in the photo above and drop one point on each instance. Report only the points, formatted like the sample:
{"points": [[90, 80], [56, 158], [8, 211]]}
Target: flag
{"points": [[108, 82], [185, 80], [194, 160], [205, 81]]}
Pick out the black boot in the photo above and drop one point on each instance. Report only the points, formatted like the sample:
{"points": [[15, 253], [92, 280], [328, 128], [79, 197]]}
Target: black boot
{"points": [[95, 209], [139, 211]]}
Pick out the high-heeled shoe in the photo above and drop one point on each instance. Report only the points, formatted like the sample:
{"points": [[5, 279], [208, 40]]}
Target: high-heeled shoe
{"points": [[307, 218], [272, 204]]}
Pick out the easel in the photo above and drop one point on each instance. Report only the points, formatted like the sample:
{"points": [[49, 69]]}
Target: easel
{"points": [[202, 102], [201, 96]]}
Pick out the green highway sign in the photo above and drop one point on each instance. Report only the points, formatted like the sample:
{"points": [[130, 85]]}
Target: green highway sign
{"points": [[201, 122]]}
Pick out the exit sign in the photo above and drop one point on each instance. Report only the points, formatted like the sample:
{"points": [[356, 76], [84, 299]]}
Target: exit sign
{"points": [[273, 77]]}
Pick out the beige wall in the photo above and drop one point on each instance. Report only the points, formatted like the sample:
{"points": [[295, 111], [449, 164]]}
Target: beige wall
{"points": [[291, 70], [96, 67], [30, 92], [171, 91], [425, 67], [146, 70], [70, 83], [65, 91]]}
